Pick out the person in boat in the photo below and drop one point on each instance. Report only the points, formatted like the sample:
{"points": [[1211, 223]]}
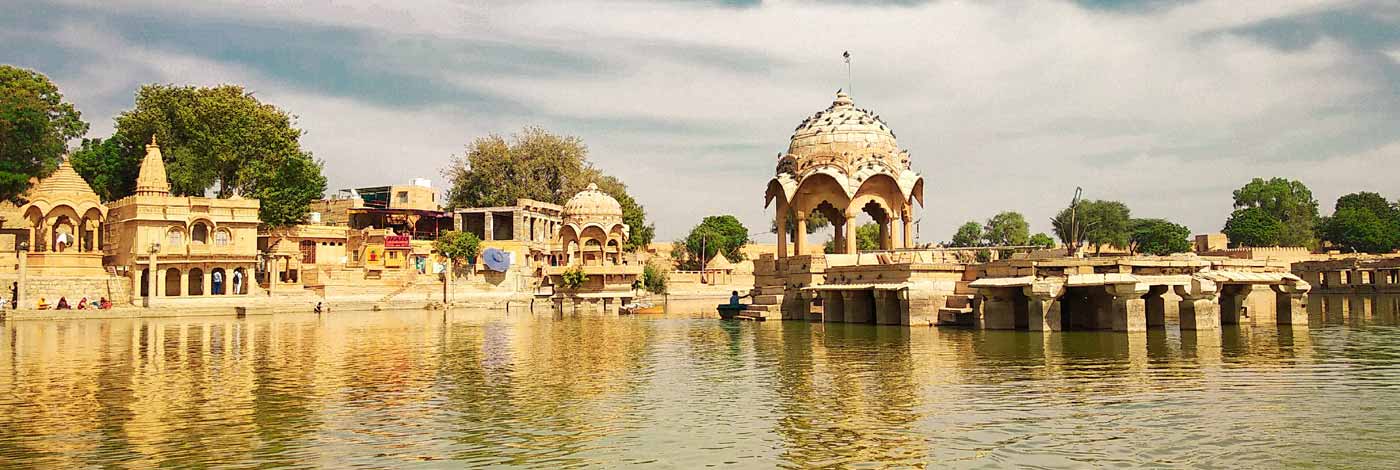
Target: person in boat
{"points": [[63, 304], [82, 304], [734, 298], [43, 304]]}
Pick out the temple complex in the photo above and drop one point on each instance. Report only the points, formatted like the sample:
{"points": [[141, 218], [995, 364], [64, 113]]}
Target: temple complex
{"points": [[590, 241]]}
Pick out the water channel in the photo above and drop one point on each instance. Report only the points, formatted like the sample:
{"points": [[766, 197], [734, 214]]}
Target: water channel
{"points": [[472, 388]]}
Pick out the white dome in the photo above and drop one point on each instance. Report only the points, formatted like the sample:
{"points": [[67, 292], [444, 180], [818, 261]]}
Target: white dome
{"points": [[592, 205]]}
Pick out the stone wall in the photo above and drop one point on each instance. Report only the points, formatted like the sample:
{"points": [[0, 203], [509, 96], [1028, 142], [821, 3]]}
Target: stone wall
{"points": [[114, 288]]}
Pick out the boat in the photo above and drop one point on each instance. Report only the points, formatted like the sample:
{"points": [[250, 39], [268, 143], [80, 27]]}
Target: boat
{"points": [[642, 308]]}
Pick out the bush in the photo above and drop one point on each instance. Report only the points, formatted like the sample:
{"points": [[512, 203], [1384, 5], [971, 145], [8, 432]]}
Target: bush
{"points": [[654, 279], [573, 278]]}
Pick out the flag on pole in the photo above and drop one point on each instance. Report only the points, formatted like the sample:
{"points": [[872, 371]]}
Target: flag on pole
{"points": [[846, 55]]}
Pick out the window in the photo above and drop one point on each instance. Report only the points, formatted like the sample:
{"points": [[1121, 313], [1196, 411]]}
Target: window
{"points": [[199, 233], [403, 196], [175, 237], [221, 238]]}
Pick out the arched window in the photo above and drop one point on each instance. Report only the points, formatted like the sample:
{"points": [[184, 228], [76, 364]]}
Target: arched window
{"points": [[199, 233], [222, 238], [175, 237]]}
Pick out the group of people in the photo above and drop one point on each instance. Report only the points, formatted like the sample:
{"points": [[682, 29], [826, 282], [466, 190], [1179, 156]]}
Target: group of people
{"points": [[101, 304]]}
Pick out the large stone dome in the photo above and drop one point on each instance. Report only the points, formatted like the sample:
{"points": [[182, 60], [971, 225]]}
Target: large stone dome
{"points": [[592, 205]]}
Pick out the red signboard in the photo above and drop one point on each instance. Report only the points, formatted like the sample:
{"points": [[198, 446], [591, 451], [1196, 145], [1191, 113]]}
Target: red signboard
{"points": [[397, 241]]}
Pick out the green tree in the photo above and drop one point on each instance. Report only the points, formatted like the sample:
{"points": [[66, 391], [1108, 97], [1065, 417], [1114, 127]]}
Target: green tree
{"points": [[969, 234], [868, 237], [654, 279], [1105, 224], [1369, 201], [1364, 222], [1042, 240], [1289, 202], [35, 127], [1069, 227], [219, 136], [456, 246], [815, 221], [717, 234], [536, 164], [1159, 237], [1007, 229], [107, 167], [1253, 226]]}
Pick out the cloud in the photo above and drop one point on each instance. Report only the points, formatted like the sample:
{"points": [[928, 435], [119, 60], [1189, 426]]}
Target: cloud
{"points": [[1166, 106]]}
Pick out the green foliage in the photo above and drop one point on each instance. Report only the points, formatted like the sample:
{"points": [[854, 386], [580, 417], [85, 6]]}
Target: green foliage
{"points": [[35, 127], [717, 234], [984, 256], [1069, 227], [1042, 240], [573, 278], [969, 234], [1007, 229], [1363, 222], [535, 164], [458, 245], [1105, 223], [654, 279], [815, 221], [1159, 237], [868, 237], [107, 167], [1253, 226], [219, 136], [1287, 201]]}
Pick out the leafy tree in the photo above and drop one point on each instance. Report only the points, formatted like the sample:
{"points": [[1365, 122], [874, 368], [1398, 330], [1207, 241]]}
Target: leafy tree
{"points": [[1253, 226], [573, 278], [717, 234], [35, 127], [1007, 228], [868, 237], [1042, 240], [815, 221], [535, 164], [1288, 201], [1364, 222], [1159, 237], [220, 136], [1105, 223], [455, 246], [1375, 203], [107, 167], [654, 279], [969, 234], [1070, 232]]}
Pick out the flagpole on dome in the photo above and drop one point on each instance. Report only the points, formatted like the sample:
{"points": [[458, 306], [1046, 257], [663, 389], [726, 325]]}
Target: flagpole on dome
{"points": [[847, 56]]}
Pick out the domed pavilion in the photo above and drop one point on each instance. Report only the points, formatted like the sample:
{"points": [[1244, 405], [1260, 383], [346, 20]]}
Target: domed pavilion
{"points": [[840, 162], [65, 218], [593, 233]]}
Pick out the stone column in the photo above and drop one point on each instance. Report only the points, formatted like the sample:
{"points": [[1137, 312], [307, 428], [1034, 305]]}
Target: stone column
{"points": [[1232, 303], [488, 232], [782, 230], [908, 229], [800, 229], [1156, 306], [208, 281], [885, 234], [858, 308], [888, 308], [1043, 306], [1199, 309], [851, 238], [833, 307], [23, 281], [1332, 279], [838, 235], [997, 311], [1129, 309], [152, 280], [1292, 304]]}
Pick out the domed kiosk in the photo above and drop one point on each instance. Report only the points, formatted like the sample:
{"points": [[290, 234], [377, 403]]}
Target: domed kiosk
{"points": [[840, 162], [590, 242]]}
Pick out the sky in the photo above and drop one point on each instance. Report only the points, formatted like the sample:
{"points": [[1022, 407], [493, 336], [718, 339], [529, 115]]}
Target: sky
{"points": [[1003, 105]]}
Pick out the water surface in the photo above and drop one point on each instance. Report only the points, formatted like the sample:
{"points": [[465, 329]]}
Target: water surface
{"points": [[470, 388]]}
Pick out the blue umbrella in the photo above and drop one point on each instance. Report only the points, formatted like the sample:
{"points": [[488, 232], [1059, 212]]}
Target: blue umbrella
{"points": [[496, 259]]}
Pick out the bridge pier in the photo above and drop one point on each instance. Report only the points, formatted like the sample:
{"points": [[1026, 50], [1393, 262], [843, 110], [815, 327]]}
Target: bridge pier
{"points": [[1292, 305], [1129, 311], [1156, 306], [1199, 309], [998, 308], [1043, 306], [859, 306], [1232, 303], [833, 306]]}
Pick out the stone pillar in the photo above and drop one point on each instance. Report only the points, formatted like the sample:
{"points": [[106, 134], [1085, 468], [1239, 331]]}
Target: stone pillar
{"points": [[799, 247], [152, 280], [208, 281], [833, 307], [998, 313], [838, 235], [1232, 303], [851, 239], [859, 306], [1199, 309], [782, 230], [1043, 306], [487, 231], [896, 238], [885, 234], [1129, 309], [1292, 304], [888, 308], [908, 229], [1156, 306]]}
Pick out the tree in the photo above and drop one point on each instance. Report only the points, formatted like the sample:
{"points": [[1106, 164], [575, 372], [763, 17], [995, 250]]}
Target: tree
{"points": [[35, 127], [1069, 227], [969, 234], [218, 136], [1105, 224], [1007, 229], [1364, 222], [455, 246], [535, 164], [1289, 202], [1042, 240], [868, 237], [1159, 237], [653, 279], [717, 234], [815, 221], [107, 167], [1253, 226]]}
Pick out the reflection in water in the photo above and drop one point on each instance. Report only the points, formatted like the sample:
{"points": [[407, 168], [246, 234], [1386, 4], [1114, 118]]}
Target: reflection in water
{"points": [[462, 388]]}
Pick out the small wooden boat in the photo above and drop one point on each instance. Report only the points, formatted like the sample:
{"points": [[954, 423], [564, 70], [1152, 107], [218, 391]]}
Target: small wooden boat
{"points": [[730, 311], [643, 308]]}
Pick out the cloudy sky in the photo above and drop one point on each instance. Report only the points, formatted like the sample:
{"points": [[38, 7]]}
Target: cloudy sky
{"points": [[1167, 106]]}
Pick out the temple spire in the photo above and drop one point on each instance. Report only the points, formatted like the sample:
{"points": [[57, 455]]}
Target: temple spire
{"points": [[152, 180]]}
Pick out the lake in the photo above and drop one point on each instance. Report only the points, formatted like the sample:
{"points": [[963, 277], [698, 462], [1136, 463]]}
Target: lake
{"points": [[475, 388]]}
